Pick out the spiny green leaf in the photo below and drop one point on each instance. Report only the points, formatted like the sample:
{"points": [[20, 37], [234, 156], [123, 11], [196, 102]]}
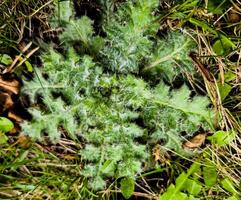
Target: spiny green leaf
{"points": [[63, 13], [97, 183], [94, 91], [79, 30], [168, 53], [128, 33]]}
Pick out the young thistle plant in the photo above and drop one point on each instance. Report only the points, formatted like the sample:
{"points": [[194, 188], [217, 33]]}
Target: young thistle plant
{"points": [[104, 97]]}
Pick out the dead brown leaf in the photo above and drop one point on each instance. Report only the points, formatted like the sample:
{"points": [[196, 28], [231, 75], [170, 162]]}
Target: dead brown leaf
{"points": [[6, 101], [69, 157], [234, 16], [14, 131], [160, 155], [15, 117], [196, 141], [23, 141], [10, 85], [156, 152]]}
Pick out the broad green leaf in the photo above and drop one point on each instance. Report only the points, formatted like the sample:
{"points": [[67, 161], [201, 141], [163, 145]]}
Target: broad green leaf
{"points": [[5, 125], [127, 187], [223, 46], [29, 66], [228, 185], [5, 59], [193, 187], [195, 168], [197, 173], [181, 180], [183, 177], [229, 76], [209, 173], [193, 198], [225, 40], [3, 138], [218, 48], [173, 194], [222, 138], [234, 197], [224, 90]]}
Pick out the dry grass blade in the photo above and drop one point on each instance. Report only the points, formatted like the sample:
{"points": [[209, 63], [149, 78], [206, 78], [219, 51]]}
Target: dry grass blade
{"points": [[206, 74], [20, 17], [21, 60], [135, 194]]}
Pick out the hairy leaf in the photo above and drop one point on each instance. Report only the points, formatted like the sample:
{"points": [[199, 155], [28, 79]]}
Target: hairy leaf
{"points": [[93, 91]]}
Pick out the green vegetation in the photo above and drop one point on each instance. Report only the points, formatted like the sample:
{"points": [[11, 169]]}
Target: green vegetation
{"points": [[102, 105], [125, 104]]}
